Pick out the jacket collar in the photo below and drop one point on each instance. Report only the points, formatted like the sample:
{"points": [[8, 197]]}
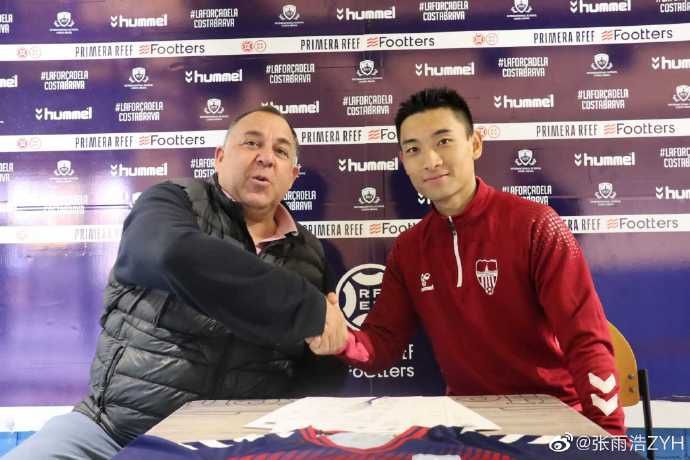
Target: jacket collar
{"points": [[474, 208]]}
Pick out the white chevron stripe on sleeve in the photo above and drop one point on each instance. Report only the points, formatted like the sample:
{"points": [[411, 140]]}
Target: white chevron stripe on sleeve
{"points": [[511, 438], [214, 443], [605, 386], [546, 439], [607, 407]]}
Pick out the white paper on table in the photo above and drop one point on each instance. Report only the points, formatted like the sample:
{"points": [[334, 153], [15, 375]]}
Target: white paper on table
{"points": [[366, 414]]}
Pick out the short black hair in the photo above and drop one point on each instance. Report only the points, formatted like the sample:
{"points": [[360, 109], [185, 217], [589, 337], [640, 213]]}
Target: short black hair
{"points": [[435, 98], [266, 109]]}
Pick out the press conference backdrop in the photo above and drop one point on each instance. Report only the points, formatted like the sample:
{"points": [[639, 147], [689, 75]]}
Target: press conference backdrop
{"points": [[584, 106]]}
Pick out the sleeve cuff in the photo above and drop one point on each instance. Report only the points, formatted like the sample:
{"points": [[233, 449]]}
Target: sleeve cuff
{"points": [[354, 350]]}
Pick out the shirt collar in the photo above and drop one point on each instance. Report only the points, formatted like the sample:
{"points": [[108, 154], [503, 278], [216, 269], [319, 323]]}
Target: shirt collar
{"points": [[285, 224]]}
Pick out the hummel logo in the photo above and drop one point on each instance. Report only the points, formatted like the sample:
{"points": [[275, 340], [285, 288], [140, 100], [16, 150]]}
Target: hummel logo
{"points": [[339, 13], [607, 407], [655, 62], [39, 114], [113, 21], [342, 164], [660, 192], [189, 76], [418, 69], [573, 6], [578, 159], [605, 386], [113, 170], [498, 101]]}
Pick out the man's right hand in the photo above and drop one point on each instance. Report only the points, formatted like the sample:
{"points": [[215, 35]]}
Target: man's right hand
{"points": [[334, 336]]}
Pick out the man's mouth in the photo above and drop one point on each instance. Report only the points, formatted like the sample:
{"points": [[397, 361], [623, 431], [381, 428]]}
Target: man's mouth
{"points": [[261, 178], [435, 177]]}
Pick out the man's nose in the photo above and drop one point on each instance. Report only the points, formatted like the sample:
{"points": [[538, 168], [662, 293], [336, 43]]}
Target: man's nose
{"points": [[431, 159], [265, 156]]}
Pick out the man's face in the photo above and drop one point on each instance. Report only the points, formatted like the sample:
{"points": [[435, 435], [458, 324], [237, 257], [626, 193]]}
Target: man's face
{"points": [[437, 154], [257, 164]]}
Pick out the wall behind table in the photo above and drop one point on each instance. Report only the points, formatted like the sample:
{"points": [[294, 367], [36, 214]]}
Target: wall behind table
{"points": [[582, 108]]}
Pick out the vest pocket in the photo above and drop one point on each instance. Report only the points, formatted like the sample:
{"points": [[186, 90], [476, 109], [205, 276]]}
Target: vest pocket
{"points": [[108, 375]]}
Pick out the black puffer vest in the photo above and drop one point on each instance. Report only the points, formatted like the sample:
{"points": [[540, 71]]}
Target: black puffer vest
{"points": [[156, 353]]}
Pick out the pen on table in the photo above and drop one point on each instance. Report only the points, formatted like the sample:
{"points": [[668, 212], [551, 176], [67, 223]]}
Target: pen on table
{"points": [[370, 401]]}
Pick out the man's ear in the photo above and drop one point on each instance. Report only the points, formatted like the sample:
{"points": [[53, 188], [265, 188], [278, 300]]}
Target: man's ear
{"points": [[219, 154], [477, 144]]}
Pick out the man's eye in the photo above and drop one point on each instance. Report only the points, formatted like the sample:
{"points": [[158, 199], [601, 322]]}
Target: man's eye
{"points": [[445, 141], [282, 153], [249, 143], [411, 150]]}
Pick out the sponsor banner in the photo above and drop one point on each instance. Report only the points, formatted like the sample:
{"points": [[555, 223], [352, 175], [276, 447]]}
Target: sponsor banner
{"points": [[349, 229], [349, 43], [50, 234], [347, 135], [608, 129], [630, 223], [338, 229], [112, 141]]}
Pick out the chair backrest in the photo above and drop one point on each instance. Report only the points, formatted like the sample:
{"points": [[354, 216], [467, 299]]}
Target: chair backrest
{"points": [[626, 366]]}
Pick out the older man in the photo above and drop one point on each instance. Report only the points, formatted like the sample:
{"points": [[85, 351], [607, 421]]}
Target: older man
{"points": [[213, 294]]}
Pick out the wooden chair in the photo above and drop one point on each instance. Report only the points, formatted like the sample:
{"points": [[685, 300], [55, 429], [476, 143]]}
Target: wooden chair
{"points": [[633, 382]]}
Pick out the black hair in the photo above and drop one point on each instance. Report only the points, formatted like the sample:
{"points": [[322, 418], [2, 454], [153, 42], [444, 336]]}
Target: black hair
{"points": [[435, 98]]}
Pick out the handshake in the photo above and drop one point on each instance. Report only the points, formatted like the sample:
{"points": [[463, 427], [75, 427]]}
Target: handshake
{"points": [[334, 336]]}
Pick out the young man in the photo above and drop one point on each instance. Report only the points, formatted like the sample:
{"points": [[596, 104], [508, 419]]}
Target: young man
{"points": [[213, 294], [498, 282]]}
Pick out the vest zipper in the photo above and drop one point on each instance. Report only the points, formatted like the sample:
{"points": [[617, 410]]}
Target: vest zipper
{"points": [[456, 250]]}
